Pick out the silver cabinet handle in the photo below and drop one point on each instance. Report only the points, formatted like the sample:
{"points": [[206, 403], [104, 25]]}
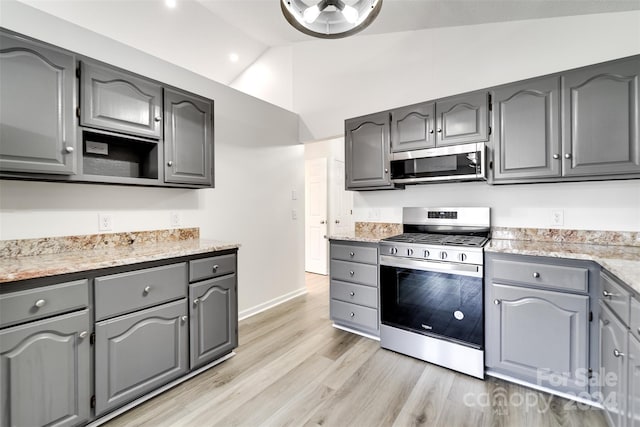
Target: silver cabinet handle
{"points": [[40, 303], [157, 118], [170, 163], [352, 293], [536, 274], [215, 268], [352, 254], [439, 130], [352, 314], [496, 301], [430, 130], [68, 149], [386, 170], [83, 334], [567, 156], [147, 289], [351, 273], [617, 353], [196, 301], [556, 156], [183, 318], [607, 294]]}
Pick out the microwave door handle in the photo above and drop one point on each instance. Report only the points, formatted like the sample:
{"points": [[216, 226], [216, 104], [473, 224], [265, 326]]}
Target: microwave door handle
{"points": [[437, 267]]}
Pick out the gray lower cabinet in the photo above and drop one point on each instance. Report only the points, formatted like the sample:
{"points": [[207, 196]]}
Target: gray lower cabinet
{"points": [[138, 352], [115, 100], [412, 127], [601, 133], [213, 313], [367, 152], [526, 140], [354, 286], [613, 360], [45, 372], [38, 101], [188, 138], [462, 119], [537, 320]]}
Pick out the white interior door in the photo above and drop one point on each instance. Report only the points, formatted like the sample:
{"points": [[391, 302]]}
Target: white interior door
{"points": [[316, 243], [340, 201]]}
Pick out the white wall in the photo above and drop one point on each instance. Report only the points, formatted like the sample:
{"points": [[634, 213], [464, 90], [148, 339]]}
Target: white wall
{"points": [[337, 79], [258, 162]]}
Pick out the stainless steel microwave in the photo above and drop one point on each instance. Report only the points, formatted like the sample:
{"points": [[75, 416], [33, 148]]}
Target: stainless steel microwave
{"points": [[465, 162]]}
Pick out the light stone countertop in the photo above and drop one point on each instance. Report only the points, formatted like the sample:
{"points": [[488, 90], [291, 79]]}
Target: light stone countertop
{"points": [[622, 261], [36, 266]]}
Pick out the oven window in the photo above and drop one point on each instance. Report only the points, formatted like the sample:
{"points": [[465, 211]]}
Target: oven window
{"points": [[431, 303]]}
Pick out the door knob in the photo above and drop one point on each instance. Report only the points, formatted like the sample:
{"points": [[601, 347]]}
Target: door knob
{"points": [[430, 130], [170, 163], [352, 293], [157, 118], [68, 149], [567, 156], [536, 275], [439, 130], [496, 301], [40, 303], [147, 289], [556, 156]]}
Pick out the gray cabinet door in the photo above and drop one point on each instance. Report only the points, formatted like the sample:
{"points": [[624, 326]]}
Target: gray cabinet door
{"points": [[601, 119], [613, 361], [462, 119], [37, 101], [136, 353], [188, 138], [527, 134], [412, 127], [118, 101], [44, 372], [538, 335], [213, 311], [367, 152], [634, 382]]}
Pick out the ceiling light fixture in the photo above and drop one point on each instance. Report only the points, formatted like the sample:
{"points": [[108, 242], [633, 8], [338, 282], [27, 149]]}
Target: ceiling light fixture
{"points": [[330, 19], [171, 4], [233, 57]]}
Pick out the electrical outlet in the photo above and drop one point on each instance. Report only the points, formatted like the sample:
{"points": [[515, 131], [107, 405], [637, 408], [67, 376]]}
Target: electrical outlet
{"points": [[294, 214], [174, 219], [557, 217], [105, 222], [294, 195]]}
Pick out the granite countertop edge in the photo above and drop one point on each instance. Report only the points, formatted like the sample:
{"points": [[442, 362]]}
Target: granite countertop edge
{"points": [[13, 269]]}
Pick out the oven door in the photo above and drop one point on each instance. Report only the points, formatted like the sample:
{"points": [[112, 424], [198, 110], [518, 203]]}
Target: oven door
{"points": [[443, 300]]}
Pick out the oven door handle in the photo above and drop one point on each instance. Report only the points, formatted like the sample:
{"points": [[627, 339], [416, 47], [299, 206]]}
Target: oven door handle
{"points": [[438, 267]]}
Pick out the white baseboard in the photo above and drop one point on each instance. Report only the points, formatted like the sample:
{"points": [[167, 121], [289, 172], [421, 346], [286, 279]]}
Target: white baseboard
{"points": [[271, 303]]}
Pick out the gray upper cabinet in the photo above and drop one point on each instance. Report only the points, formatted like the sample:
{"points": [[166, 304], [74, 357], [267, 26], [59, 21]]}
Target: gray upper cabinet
{"points": [[119, 101], [138, 352], [213, 312], [462, 119], [37, 100], [188, 134], [45, 373], [527, 130], [367, 152], [601, 119], [412, 127], [613, 360]]}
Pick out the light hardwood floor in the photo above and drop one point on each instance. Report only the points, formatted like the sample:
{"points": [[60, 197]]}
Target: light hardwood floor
{"points": [[292, 368]]}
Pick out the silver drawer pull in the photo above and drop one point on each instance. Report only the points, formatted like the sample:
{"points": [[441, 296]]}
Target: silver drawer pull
{"points": [[40, 303], [617, 353], [608, 294], [147, 289], [496, 301], [352, 254], [83, 334], [536, 275], [215, 268], [352, 314], [196, 301], [351, 273], [352, 293]]}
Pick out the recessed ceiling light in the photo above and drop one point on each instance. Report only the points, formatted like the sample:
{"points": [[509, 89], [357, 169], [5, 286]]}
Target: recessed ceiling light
{"points": [[233, 57], [171, 4]]}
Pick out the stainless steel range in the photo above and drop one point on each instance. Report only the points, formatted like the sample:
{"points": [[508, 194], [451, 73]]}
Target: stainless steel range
{"points": [[431, 287]]}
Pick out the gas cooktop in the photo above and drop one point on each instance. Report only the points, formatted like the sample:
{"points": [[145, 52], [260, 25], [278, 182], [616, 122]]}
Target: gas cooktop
{"points": [[439, 239]]}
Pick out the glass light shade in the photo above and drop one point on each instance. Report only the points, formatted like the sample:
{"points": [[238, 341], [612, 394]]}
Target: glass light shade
{"points": [[330, 18]]}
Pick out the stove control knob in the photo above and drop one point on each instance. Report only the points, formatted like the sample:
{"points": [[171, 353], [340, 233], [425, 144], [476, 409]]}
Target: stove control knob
{"points": [[393, 251], [462, 257], [409, 252], [426, 253], [443, 255]]}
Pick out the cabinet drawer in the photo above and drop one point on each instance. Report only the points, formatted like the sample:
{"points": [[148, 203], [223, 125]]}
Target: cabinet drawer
{"points": [[33, 304], [357, 294], [615, 296], [542, 275], [634, 323], [212, 267], [365, 274], [354, 314], [354, 253], [133, 290]]}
